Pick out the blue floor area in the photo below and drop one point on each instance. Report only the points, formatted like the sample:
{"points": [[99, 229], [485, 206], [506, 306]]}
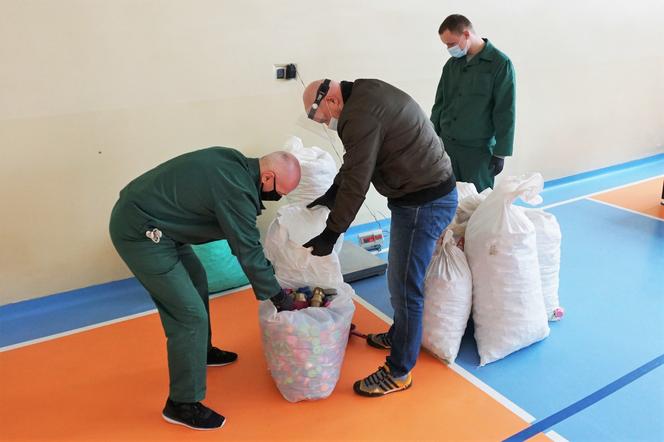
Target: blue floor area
{"points": [[641, 420], [612, 291], [36, 318], [582, 184]]}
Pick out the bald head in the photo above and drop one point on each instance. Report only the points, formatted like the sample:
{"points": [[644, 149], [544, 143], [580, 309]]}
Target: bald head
{"points": [[283, 166], [330, 106]]}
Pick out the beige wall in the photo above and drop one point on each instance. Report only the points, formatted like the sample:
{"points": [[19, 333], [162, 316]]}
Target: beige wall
{"points": [[94, 92]]}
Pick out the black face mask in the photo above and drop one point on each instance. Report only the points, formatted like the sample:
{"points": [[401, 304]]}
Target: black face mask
{"points": [[272, 195]]}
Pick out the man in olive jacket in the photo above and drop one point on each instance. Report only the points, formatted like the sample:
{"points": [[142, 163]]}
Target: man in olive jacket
{"points": [[474, 109], [201, 196], [390, 142]]}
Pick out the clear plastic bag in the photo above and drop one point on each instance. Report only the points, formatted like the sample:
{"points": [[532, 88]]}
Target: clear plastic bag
{"points": [[304, 349]]}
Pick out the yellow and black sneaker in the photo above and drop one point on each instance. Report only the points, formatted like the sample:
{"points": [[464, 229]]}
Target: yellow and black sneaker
{"points": [[381, 383], [379, 340]]}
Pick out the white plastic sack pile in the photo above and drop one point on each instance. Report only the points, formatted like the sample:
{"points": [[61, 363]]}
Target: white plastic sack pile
{"points": [[318, 172], [549, 237], [304, 349], [448, 289], [501, 246]]}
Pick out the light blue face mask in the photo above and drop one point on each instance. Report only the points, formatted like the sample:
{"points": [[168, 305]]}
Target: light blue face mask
{"points": [[456, 52], [332, 125]]}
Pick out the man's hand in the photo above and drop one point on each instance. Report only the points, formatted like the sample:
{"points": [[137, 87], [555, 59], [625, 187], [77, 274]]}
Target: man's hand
{"points": [[327, 199], [496, 164], [322, 244], [283, 301]]}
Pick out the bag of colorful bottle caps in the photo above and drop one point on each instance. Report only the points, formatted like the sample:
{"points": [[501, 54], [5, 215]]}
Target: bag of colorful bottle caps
{"points": [[305, 348]]}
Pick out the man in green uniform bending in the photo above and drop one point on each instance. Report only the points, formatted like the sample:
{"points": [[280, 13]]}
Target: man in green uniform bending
{"points": [[201, 196], [474, 108]]}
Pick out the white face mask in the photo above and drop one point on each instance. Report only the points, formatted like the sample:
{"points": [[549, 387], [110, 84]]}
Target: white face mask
{"points": [[456, 52], [332, 125]]}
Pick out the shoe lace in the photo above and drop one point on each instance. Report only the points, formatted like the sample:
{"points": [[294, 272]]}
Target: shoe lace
{"points": [[385, 337], [198, 411], [377, 376]]}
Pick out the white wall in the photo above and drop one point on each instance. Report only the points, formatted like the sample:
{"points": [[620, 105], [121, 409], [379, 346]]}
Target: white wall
{"points": [[94, 92]]}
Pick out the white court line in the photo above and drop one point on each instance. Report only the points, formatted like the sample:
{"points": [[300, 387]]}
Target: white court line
{"points": [[102, 324], [627, 210], [622, 186], [514, 408]]}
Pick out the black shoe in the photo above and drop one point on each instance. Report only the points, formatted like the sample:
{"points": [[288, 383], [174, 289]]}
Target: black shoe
{"points": [[193, 415], [217, 357], [379, 340]]}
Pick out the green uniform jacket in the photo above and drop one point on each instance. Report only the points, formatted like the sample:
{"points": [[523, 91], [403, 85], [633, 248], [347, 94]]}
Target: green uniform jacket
{"points": [[474, 104], [198, 197]]}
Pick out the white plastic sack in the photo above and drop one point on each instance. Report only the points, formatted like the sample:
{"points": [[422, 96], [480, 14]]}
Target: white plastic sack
{"points": [[465, 189], [448, 289], [465, 210], [318, 171], [549, 237], [501, 246], [293, 226], [304, 349]]}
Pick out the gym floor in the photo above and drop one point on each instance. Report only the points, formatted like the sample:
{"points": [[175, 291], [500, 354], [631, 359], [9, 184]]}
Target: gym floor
{"points": [[90, 364]]}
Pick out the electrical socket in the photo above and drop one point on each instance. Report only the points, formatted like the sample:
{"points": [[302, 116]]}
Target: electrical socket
{"points": [[285, 71]]}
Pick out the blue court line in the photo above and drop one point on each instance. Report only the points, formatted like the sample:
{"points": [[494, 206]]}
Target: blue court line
{"points": [[49, 315], [548, 422], [653, 159], [584, 184]]}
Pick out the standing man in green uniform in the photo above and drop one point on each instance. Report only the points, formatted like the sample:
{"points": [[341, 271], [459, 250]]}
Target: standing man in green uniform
{"points": [[474, 108], [201, 196]]}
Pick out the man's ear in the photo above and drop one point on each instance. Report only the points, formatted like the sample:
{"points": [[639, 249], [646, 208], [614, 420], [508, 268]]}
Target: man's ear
{"points": [[334, 103], [266, 176]]}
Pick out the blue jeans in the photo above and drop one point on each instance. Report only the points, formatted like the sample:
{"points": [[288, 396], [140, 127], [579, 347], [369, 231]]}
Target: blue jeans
{"points": [[413, 234]]}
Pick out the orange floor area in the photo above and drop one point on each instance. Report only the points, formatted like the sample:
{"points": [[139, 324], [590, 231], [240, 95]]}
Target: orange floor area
{"points": [[643, 197], [110, 384]]}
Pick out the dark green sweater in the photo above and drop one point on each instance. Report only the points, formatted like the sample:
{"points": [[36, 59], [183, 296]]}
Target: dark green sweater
{"points": [[475, 102], [202, 196]]}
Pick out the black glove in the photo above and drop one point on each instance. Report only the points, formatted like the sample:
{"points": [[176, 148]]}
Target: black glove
{"points": [[327, 199], [283, 301], [323, 243], [496, 164]]}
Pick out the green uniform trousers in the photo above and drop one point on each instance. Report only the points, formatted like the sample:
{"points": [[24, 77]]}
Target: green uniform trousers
{"points": [[471, 165], [176, 280]]}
